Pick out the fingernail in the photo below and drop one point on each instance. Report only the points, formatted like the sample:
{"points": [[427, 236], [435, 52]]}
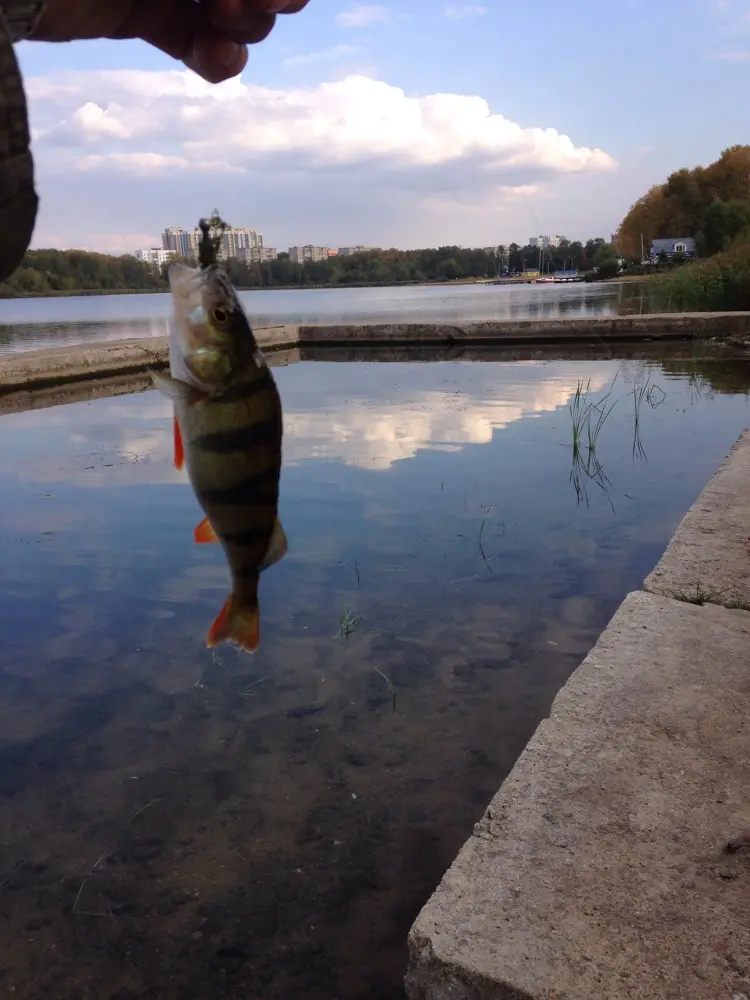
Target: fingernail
{"points": [[226, 52]]}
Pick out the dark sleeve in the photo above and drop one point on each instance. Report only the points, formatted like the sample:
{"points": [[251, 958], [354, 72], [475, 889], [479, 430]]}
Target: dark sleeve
{"points": [[18, 198]]}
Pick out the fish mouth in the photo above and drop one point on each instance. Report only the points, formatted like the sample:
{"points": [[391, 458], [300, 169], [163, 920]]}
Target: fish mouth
{"points": [[187, 330], [184, 280]]}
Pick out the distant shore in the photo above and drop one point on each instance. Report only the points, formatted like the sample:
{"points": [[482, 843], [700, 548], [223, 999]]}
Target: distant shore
{"points": [[84, 292]]}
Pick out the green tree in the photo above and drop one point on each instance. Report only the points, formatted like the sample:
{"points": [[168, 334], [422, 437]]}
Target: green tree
{"points": [[608, 268]]}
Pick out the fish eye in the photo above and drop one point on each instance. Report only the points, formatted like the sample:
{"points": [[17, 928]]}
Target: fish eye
{"points": [[219, 315]]}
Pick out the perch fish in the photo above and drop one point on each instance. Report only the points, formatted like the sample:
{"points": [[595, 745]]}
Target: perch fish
{"points": [[228, 434]]}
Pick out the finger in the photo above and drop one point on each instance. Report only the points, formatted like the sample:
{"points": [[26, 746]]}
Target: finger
{"points": [[254, 29], [181, 29], [215, 57], [237, 16]]}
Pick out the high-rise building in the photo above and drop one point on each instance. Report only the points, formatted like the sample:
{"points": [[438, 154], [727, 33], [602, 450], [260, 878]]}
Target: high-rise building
{"points": [[183, 242], [259, 255], [546, 242], [236, 240], [308, 254], [156, 256]]}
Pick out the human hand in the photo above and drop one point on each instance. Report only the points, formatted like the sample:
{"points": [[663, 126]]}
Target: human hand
{"points": [[210, 36]]}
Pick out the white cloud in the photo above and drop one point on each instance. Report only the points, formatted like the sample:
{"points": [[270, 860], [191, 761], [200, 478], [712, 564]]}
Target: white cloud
{"points": [[134, 444], [167, 121], [323, 55], [362, 15], [460, 11], [375, 436], [145, 148]]}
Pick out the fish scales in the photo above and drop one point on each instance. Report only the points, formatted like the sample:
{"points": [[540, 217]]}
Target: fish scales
{"points": [[247, 430], [228, 430]]}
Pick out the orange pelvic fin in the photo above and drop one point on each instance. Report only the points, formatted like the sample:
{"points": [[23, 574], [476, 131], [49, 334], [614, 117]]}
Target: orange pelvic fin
{"points": [[179, 450], [237, 624], [204, 533]]}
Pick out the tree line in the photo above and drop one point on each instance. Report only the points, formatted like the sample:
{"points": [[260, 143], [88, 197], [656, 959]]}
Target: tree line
{"points": [[50, 272], [710, 204]]}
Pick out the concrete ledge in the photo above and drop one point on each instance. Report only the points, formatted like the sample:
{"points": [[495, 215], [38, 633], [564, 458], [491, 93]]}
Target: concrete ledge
{"points": [[708, 559], [57, 365], [597, 871], [36, 369], [661, 326], [600, 868]]}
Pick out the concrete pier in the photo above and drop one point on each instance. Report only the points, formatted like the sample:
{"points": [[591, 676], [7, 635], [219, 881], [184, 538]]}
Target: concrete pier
{"points": [[614, 862], [55, 366]]}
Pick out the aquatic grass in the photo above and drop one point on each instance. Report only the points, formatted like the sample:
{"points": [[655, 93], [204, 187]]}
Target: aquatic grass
{"points": [[389, 684], [588, 419], [654, 396], [349, 620], [105, 857], [485, 559], [14, 871]]}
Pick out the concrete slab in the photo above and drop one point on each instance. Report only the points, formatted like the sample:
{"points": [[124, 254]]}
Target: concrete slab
{"points": [[708, 559], [655, 326], [598, 871], [35, 369], [76, 363]]}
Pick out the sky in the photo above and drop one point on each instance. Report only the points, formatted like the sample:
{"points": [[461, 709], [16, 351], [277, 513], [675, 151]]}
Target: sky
{"points": [[410, 124]]}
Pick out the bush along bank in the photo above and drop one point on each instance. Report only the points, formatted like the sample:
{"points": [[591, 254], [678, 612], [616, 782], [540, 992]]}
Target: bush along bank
{"points": [[717, 284]]}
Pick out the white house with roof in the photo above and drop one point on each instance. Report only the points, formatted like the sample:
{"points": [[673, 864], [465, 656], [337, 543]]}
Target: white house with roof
{"points": [[674, 245]]}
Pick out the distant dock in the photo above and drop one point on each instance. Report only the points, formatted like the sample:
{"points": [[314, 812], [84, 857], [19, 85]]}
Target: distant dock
{"points": [[535, 277]]}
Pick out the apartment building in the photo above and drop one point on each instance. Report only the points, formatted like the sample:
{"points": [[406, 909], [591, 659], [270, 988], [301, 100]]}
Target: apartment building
{"points": [[259, 255], [183, 242], [156, 256], [348, 251], [545, 242], [308, 254], [234, 242]]}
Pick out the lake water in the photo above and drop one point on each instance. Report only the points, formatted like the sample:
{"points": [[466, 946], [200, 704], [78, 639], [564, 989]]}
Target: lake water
{"points": [[29, 324], [185, 825]]}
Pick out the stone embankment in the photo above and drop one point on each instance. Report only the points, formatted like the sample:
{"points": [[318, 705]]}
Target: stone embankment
{"points": [[56, 366], [614, 862]]}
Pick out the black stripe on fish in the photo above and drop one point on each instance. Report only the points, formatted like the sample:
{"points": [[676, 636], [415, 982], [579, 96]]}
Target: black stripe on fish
{"points": [[246, 573], [247, 538], [238, 438], [244, 390], [260, 486]]}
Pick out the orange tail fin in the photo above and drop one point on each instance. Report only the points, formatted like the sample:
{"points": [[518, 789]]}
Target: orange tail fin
{"points": [[236, 623], [179, 450]]}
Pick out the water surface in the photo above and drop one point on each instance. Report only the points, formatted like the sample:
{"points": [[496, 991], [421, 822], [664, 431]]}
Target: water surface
{"points": [[29, 324], [189, 826]]}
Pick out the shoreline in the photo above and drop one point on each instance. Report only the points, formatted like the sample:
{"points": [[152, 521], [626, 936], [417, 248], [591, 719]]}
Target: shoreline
{"points": [[613, 859], [59, 365]]}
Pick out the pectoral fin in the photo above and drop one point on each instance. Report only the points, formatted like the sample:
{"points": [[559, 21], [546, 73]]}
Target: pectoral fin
{"points": [[179, 450], [175, 389], [277, 547], [204, 533]]}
